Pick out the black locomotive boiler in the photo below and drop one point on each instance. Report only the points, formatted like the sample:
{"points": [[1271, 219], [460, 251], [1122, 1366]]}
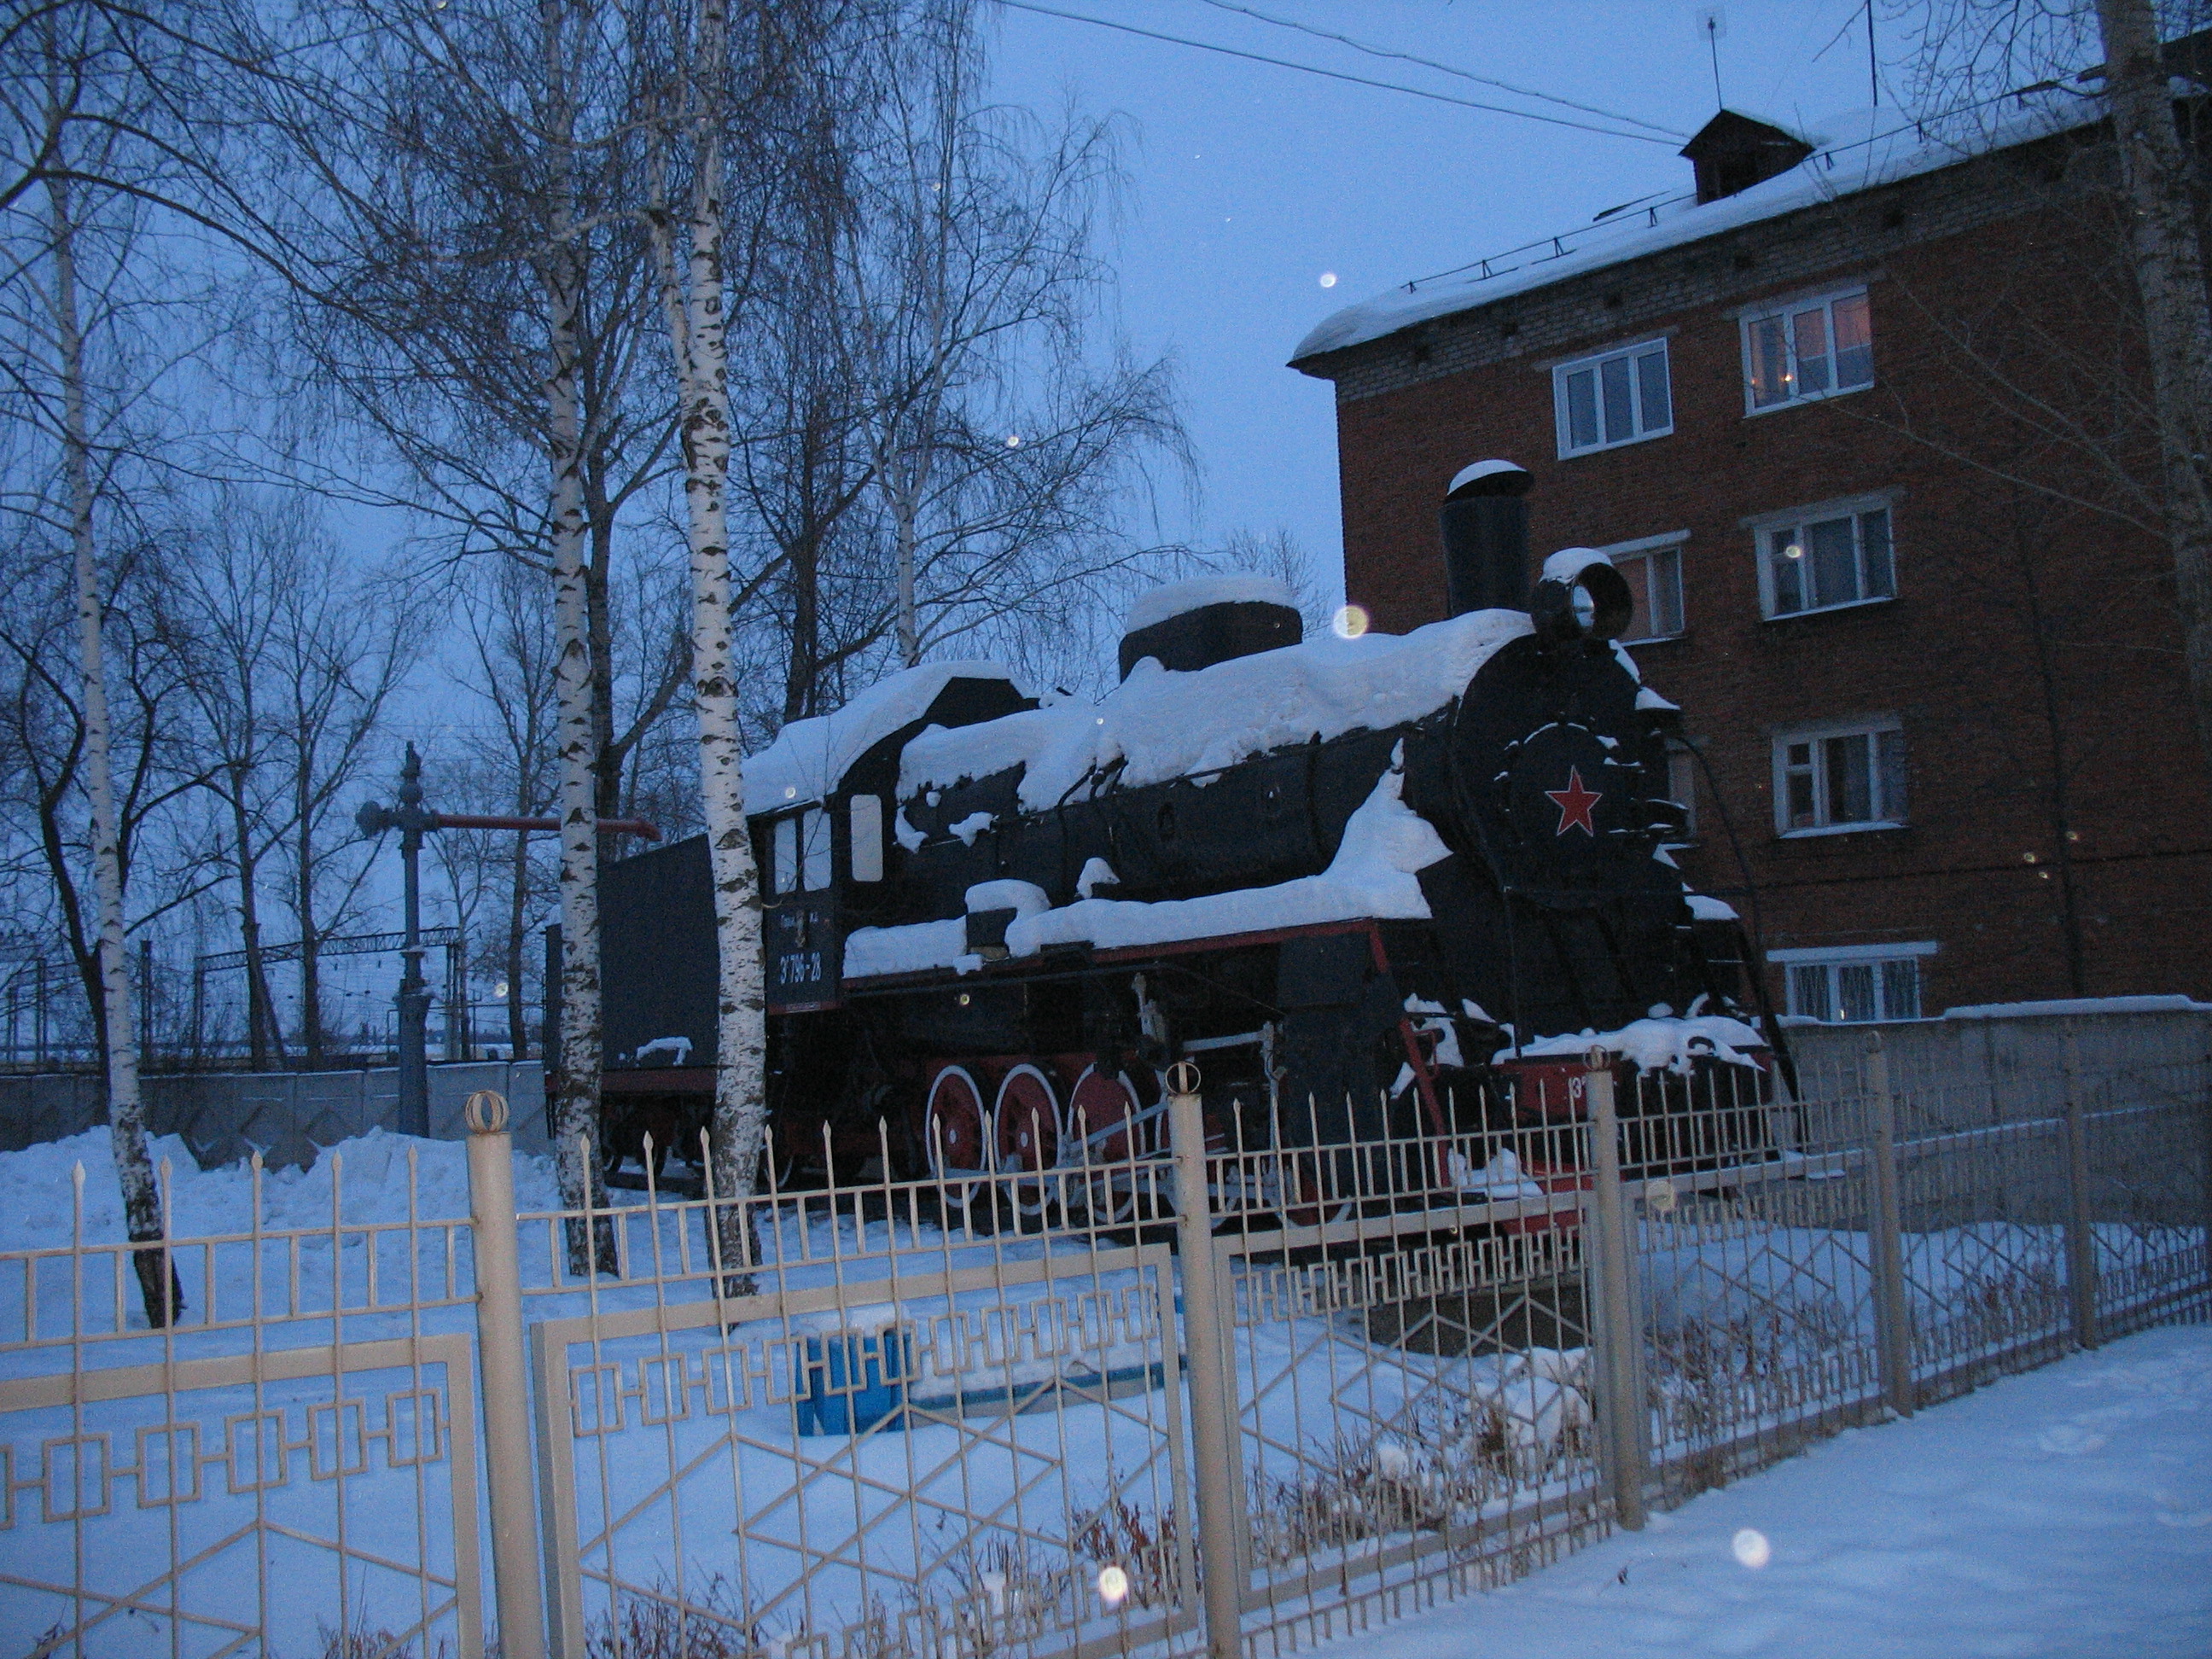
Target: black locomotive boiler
{"points": [[1376, 884]]}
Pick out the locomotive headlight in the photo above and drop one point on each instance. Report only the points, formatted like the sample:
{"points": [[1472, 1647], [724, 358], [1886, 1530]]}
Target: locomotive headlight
{"points": [[1585, 609]]}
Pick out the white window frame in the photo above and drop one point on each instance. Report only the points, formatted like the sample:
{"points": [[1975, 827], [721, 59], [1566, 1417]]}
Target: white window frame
{"points": [[1832, 957], [1788, 311], [1886, 815], [1593, 364], [1648, 549], [1764, 527]]}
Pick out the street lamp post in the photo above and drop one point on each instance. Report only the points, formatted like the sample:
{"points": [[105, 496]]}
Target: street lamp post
{"points": [[410, 818], [410, 821]]}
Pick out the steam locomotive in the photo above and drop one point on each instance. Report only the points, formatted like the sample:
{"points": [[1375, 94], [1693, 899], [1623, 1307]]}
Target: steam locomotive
{"points": [[1376, 884]]}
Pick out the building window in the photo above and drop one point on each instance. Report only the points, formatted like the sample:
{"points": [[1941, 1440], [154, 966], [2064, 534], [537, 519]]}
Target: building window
{"points": [[1654, 570], [1855, 983], [1616, 398], [1682, 788], [1838, 778], [1809, 349], [1827, 558]]}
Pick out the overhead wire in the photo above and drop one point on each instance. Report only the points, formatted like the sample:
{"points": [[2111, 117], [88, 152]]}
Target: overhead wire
{"points": [[1443, 68], [1331, 74]]}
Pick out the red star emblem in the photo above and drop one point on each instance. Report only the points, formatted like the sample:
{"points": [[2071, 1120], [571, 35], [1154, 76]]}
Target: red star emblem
{"points": [[1574, 803]]}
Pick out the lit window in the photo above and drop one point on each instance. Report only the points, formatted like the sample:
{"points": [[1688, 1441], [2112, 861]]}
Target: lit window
{"points": [[1653, 575], [1809, 349], [1616, 398], [1839, 778], [1854, 982], [1826, 557]]}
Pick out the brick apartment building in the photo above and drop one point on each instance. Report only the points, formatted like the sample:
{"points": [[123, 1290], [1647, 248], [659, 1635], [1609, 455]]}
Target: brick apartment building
{"points": [[1864, 424]]}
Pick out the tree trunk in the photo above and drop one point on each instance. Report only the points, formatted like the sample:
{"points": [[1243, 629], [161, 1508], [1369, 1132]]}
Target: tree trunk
{"points": [[575, 1091], [698, 325], [518, 909], [2167, 255], [158, 1287], [265, 1038]]}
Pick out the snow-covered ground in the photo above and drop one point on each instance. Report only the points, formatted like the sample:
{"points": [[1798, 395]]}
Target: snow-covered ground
{"points": [[2066, 1512]]}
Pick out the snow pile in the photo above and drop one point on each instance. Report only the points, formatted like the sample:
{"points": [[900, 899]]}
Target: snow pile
{"points": [[1856, 151], [1178, 599], [370, 1173], [808, 757], [1162, 725], [2073, 1005], [1661, 1043], [2065, 1512], [1373, 874]]}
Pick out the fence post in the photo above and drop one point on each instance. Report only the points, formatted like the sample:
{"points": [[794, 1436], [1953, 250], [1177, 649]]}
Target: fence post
{"points": [[506, 1389], [2081, 1242], [1211, 1391], [1618, 1334], [1893, 1318]]}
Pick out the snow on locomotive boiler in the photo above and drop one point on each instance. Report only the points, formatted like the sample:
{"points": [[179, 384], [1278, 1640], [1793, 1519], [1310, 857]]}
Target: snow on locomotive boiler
{"points": [[1366, 881]]}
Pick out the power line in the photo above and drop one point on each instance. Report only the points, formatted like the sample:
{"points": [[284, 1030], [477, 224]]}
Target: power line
{"points": [[1331, 74], [1431, 63]]}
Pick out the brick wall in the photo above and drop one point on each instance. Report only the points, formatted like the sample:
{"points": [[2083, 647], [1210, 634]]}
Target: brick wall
{"points": [[2031, 651]]}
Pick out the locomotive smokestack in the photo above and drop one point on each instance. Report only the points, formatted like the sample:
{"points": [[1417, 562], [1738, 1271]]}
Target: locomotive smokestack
{"points": [[1485, 530]]}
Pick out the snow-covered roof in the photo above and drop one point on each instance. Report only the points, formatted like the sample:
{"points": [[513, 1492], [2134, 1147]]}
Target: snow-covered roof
{"points": [[1163, 724], [1852, 152], [1178, 598], [1373, 874], [808, 757]]}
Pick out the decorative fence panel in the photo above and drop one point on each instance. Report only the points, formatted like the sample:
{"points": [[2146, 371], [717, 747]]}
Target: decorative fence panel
{"points": [[290, 1462], [1213, 1395]]}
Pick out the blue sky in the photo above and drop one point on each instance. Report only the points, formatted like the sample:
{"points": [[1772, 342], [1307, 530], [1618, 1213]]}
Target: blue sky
{"points": [[1250, 182]]}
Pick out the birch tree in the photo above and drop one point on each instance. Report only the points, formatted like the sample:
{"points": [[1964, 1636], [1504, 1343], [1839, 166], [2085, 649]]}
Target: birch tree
{"points": [[2164, 195], [690, 233]]}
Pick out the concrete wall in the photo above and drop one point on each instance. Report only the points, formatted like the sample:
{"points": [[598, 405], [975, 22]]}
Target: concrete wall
{"points": [[289, 1117], [1973, 1069]]}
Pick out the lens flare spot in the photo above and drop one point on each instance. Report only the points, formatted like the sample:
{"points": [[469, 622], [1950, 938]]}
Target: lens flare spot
{"points": [[1350, 623], [1113, 1586], [1328, 279], [1752, 1548]]}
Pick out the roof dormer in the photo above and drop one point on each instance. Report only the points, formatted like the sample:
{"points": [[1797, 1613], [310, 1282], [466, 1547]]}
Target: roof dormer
{"points": [[1733, 152]]}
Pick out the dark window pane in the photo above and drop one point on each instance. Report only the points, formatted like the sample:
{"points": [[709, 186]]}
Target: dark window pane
{"points": [[1809, 331], [1835, 561], [1874, 547], [1620, 417], [1854, 342], [1770, 363], [1582, 409], [1849, 779], [1651, 387], [1636, 573], [1900, 989], [1785, 559], [1890, 764], [1855, 989], [1809, 993], [1666, 583], [1797, 780]]}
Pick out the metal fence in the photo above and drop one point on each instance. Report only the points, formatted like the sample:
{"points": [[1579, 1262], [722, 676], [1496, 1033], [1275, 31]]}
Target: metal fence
{"points": [[1135, 1388]]}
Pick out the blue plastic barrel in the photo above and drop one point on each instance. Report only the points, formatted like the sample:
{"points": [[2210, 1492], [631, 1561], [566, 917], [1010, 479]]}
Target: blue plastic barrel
{"points": [[850, 1380]]}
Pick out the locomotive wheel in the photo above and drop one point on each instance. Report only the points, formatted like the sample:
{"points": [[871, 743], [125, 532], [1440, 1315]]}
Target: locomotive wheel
{"points": [[955, 1136], [1026, 1116], [1102, 1110]]}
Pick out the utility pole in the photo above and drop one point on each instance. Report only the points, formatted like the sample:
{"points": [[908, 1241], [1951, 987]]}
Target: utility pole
{"points": [[410, 819]]}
